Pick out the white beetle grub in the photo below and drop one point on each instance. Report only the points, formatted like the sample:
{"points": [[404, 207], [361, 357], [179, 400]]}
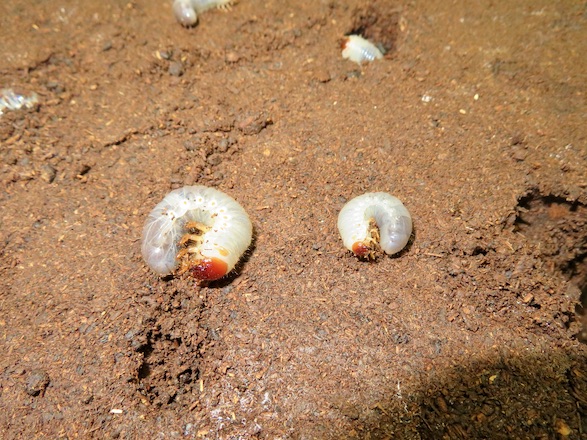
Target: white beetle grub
{"points": [[196, 229], [359, 50], [374, 222], [186, 11], [15, 101]]}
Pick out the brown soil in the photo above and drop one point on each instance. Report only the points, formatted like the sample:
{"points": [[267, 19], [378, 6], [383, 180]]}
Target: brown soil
{"points": [[475, 119]]}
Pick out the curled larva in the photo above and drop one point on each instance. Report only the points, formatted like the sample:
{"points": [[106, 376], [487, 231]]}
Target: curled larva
{"points": [[359, 50], [373, 222], [196, 229], [186, 11]]}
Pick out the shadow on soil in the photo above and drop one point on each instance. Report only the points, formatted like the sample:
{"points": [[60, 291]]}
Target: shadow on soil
{"points": [[524, 397]]}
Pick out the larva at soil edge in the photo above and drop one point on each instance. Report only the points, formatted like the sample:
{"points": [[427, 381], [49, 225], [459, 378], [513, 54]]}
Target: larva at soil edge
{"points": [[356, 224], [186, 11], [200, 229], [359, 50]]}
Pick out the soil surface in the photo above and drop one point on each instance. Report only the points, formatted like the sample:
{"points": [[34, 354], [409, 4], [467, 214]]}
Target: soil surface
{"points": [[475, 119]]}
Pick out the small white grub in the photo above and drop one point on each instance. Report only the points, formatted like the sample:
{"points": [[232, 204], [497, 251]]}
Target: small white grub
{"points": [[186, 11], [373, 222], [359, 50], [9, 100]]}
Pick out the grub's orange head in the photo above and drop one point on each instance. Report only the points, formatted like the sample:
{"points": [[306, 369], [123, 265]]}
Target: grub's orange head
{"points": [[209, 269], [344, 42], [360, 249]]}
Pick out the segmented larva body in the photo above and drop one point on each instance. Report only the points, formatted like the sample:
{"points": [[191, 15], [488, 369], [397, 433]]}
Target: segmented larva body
{"points": [[15, 101], [359, 50], [186, 11], [196, 229], [374, 221]]}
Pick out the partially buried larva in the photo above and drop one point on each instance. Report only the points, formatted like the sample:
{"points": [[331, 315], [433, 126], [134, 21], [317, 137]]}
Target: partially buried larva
{"points": [[186, 11], [359, 50], [373, 222], [196, 229]]}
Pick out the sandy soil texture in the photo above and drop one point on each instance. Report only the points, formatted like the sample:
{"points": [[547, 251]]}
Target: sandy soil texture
{"points": [[475, 119]]}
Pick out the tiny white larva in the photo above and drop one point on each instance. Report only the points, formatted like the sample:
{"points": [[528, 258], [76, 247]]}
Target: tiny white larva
{"points": [[374, 221], [359, 50], [196, 229], [15, 101], [186, 11]]}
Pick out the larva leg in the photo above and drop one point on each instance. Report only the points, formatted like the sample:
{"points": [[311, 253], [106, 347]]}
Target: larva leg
{"points": [[189, 253], [375, 249], [195, 230], [369, 248], [226, 5]]}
